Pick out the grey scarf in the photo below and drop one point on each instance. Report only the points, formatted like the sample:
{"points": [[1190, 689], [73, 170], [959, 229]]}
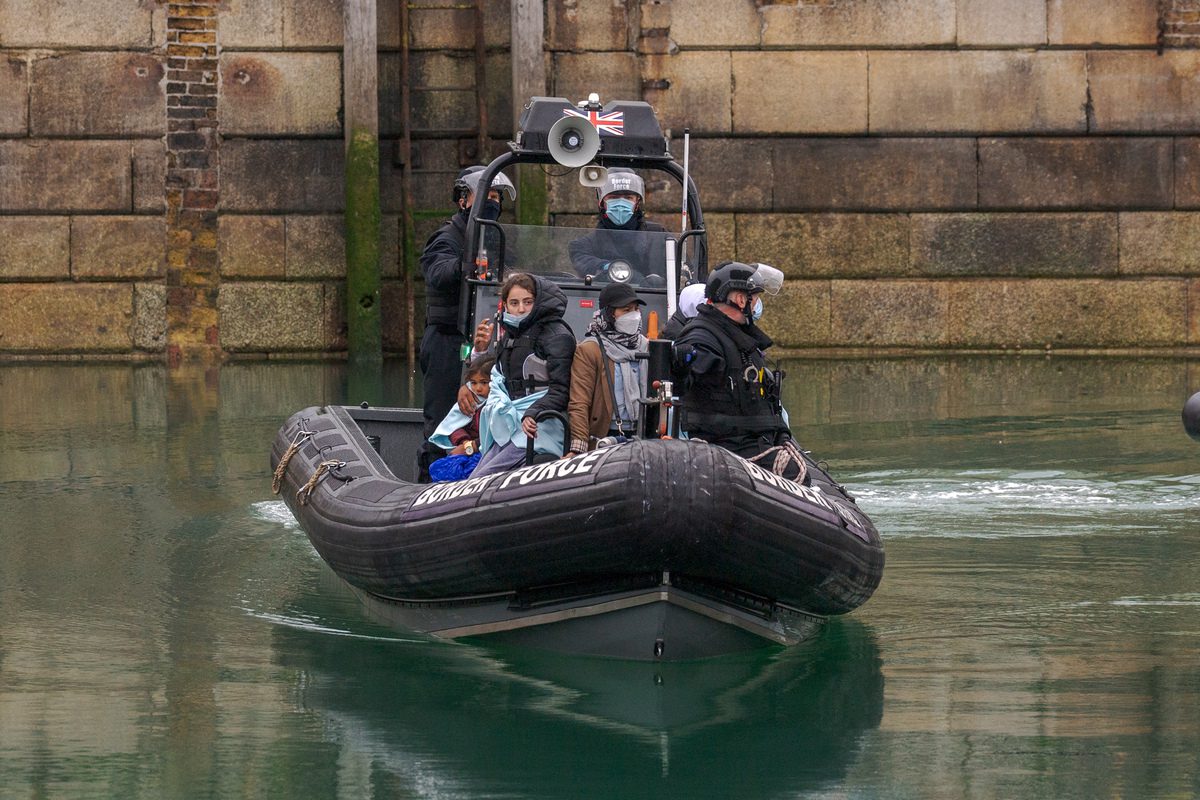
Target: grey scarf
{"points": [[623, 360]]}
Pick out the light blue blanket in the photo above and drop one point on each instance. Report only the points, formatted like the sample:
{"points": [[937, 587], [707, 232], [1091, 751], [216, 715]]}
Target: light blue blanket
{"points": [[500, 422]]}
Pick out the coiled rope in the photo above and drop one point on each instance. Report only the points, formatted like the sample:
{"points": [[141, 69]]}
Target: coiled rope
{"points": [[281, 467], [785, 454], [305, 491]]}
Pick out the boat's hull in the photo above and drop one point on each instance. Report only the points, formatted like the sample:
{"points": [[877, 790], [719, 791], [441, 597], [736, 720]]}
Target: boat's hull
{"points": [[643, 539]]}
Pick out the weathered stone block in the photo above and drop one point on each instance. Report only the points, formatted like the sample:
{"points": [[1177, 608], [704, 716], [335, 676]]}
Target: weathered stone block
{"points": [[96, 94], [251, 246], [282, 175], [1015, 244], [902, 23], [1193, 314], [124, 24], [36, 248], [58, 175], [1075, 173], [714, 23], [251, 24], [826, 245], [1015, 22], [1187, 172], [149, 175], [454, 28], [978, 91], [780, 92], [271, 316], [699, 95], [313, 23], [730, 175], [336, 326], [888, 313], [1143, 91], [1160, 243], [150, 316], [14, 92], [395, 317], [1086, 22], [65, 317], [589, 26], [799, 316], [444, 96], [611, 75], [873, 174], [281, 93], [316, 247], [1067, 313], [118, 247]]}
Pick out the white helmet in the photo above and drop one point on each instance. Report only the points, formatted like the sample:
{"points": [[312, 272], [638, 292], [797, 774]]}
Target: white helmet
{"points": [[621, 179]]}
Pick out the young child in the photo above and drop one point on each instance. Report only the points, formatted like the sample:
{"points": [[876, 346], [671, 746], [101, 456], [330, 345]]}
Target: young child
{"points": [[464, 439]]}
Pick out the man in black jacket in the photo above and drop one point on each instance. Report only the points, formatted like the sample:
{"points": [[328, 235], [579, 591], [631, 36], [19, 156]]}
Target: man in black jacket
{"points": [[730, 393], [621, 214], [442, 343]]}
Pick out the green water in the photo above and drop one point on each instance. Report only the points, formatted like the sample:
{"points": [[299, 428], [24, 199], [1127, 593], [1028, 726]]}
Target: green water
{"points": [[166, 631]]}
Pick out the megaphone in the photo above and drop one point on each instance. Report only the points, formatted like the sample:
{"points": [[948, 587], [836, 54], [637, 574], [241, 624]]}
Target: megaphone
{"points": [[593, 176], [573, 141]]}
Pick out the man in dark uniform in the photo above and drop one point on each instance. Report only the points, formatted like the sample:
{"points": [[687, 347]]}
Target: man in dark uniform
{"points": [[441, 355], [730, 393], [621, 213]]}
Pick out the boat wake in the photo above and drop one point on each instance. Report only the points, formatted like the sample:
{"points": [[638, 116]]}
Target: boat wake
{"points": [[312, 625], [999, 503], [275, 511]]}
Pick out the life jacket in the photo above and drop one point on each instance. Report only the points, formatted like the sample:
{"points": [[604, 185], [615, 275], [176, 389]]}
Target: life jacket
{"points": [[744, 399], [522, 359], [441, 305]]}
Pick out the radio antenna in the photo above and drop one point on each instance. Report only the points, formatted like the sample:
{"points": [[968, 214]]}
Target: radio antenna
{"points": [[683, 224]]}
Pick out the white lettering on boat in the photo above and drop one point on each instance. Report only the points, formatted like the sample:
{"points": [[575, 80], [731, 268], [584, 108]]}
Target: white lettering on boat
{"points": [[448, 491], [577, 465], [812, 495]]}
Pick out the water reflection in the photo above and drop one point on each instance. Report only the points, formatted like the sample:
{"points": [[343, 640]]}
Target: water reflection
{"points": [[167, 631]]}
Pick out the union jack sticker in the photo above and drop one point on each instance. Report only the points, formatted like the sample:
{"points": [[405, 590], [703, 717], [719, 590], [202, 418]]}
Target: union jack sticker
{"points": [[611, 123]]}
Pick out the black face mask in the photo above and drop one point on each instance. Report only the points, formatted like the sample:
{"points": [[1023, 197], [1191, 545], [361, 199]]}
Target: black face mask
{"points": [[491, 210]]}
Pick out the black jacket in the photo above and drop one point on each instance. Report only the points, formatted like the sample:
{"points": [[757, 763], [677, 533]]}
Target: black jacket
{"points": [[545, 335], [674, 325], [730, 394], [441, 265], [590, 253]]}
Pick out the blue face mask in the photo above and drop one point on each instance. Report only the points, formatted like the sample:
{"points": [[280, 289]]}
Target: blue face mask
{"points": [[619, 211], [756, 312], [514, 320]]}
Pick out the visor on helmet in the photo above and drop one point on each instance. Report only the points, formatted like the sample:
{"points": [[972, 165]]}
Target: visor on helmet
{"points": [[769, 279]]}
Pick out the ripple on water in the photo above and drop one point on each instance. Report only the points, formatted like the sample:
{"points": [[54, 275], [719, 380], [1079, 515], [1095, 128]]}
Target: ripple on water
{"points": [[275, 511], [998, 503]]}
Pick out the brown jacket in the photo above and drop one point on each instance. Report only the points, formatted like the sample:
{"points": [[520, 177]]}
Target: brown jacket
{"points": [[590, 408]]}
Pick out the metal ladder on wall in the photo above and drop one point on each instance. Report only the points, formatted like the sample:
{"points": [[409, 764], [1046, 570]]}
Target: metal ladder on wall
{"points": [[409, 250]]}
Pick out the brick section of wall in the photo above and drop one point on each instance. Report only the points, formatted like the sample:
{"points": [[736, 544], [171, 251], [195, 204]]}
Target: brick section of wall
{"points": [[192, 182], [1180, 23]]}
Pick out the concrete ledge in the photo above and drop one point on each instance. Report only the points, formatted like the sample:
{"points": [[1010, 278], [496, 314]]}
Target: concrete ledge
{"points": [[66, 317], [118, 247], [1091, 173], [1015, 244], [35, 248]]}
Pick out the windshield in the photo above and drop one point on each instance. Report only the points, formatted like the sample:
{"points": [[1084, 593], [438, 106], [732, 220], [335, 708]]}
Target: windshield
{"points": [[566, 254]]}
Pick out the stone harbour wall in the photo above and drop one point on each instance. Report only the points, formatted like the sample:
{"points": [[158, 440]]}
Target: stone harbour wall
{"points": [[930, 174]]}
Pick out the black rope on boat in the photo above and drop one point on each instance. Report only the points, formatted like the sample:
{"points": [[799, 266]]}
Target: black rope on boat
{"points": [[281, 467], [785, 454], [305, 491]]}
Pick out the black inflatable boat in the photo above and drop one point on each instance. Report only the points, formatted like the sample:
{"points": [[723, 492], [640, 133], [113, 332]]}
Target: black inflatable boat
{"points": [[655, 548], [648, 549]]}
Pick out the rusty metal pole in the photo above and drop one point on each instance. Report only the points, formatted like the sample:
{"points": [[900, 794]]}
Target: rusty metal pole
{"points": [[409, 250]]}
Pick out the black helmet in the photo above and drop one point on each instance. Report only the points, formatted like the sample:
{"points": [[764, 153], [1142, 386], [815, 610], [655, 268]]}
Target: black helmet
{"points": [[730, 276]]}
